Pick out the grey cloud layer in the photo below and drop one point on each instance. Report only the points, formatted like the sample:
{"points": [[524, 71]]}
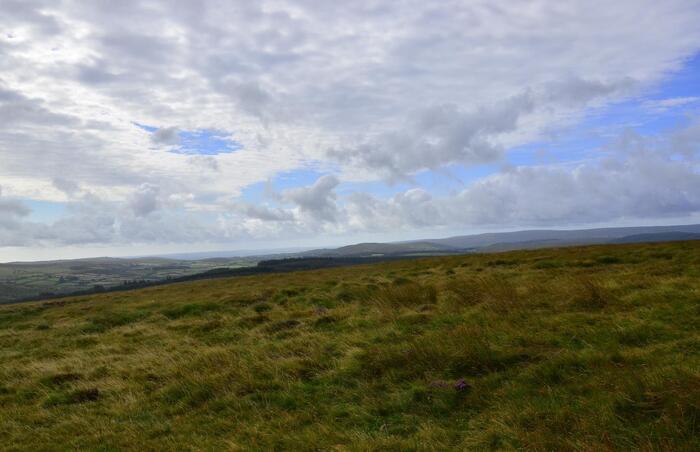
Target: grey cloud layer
{"points": [[317, 200], [368, 90], [643, 179], [444, 134]]}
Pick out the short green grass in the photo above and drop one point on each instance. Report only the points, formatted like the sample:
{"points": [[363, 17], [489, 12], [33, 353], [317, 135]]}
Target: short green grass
{"points": [[591, 348]]}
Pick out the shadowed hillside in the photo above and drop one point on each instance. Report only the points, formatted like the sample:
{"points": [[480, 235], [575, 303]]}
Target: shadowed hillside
{"points": [[587, 348]]}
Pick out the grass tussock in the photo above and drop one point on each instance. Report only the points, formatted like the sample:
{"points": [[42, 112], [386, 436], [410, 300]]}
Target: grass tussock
{"points": [[496, 292], [590, 348], [590, 294], [408, 294]]}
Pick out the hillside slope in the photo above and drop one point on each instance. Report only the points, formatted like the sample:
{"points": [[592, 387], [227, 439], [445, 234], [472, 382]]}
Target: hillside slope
{"points": [[588, 348], [563, 237], [369, 249], [658, 237]]}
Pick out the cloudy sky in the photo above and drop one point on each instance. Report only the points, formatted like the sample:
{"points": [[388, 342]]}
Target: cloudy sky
{"points": [[137, 127]]}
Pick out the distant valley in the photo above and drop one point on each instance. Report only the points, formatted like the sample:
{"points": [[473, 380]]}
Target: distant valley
{"points": [[30, 280], [20, 280]]}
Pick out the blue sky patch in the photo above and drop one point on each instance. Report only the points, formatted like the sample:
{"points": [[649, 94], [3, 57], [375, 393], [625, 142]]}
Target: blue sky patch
{"points": [[200, 141], [661, 109], [207, 142], [44, 211]]}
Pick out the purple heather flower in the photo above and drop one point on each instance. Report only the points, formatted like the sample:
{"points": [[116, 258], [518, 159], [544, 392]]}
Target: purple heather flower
{"points": [[461, 385]]}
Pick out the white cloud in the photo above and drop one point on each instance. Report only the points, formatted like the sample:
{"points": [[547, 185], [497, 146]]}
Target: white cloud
{"points": [[145, 200], [316, 201], [642, 188], [441, 135], [166, 135], [264, 213], [642, 179], [68, 187], [662, 105], [365, 90], [14, 229], [12, 208]]}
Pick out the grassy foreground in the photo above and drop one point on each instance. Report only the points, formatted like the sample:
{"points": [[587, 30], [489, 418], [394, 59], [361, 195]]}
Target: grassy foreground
{"points": [[594, 348]]}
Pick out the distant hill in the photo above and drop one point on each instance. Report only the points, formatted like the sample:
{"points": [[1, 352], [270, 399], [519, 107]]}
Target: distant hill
{"points": [[507, 241], [22, 280], [383, 249], [555, 237], [229, 254], [658, 237]]}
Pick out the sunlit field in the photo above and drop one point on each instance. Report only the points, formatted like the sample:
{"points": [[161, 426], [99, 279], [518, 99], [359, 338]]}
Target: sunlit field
{"points": [[590, 348]]}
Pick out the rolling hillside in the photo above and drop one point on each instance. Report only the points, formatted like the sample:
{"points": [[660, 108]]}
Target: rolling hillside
{"points": [[560, 237], [516, 240], [588, 348], [20, 280], [384, 249], [29, 280]]}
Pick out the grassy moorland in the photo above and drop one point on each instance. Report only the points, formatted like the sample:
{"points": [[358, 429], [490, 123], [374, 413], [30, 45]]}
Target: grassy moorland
{"points": [[592, 348]]}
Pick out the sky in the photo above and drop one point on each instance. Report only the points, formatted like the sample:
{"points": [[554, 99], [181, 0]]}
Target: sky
{"points": [[148, 127]]}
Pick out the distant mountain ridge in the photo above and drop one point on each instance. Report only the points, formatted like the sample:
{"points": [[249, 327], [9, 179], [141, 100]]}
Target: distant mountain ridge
{"points": [[658, 237], [25, 280], [370, 249], [572, 236], [506, 241]]}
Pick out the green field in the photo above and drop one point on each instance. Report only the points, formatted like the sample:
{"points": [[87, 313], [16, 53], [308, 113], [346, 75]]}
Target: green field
{"points": [[591, 348], [20, 280]]}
